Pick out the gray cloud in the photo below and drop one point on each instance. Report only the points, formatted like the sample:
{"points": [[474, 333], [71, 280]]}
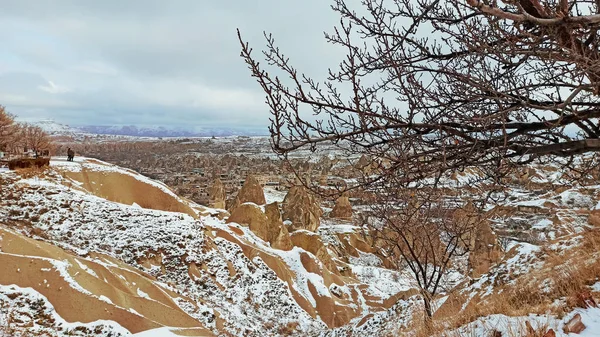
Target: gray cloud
{"points": [[150, 62]]}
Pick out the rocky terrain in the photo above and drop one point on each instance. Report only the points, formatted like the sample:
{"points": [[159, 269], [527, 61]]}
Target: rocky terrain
{"points": [[226, 277], [90, 248]]}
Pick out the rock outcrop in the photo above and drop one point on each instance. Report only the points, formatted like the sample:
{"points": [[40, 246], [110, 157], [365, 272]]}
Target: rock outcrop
{"points": [[267, 226], [251, 215], [217, 195], [342, 208], [312, 243], [302, 209], [278, 236], [574, 325], [484, 250], [252, 192]]}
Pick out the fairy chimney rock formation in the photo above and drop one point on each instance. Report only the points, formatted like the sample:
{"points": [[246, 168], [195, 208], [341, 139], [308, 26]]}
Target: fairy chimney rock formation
{"points": [[342, 208], [216, 195], [252, 192], [302, 209], [251, 215], [278, 235], [267, 226], [484, 250]]}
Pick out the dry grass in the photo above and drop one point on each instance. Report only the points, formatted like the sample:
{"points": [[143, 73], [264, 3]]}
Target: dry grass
{"points": [[33, 171], [565, 277], [25, 163], [10, 328], [288, 329]]}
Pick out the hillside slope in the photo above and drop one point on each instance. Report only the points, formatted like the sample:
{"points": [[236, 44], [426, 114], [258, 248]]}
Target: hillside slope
{"points": [[89, 248], [214, 275]]}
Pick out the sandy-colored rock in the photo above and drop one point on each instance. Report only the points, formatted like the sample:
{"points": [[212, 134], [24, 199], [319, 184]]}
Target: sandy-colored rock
{"points": [[342, 208], [312, 243], [251, 215], [302, 209], [574, 325], [121, 187], [594, 218], [28, 263], [252, 192], [217, 195], [484, 250], [333, 311], [268, 226], [279, 237], [363, 164]]}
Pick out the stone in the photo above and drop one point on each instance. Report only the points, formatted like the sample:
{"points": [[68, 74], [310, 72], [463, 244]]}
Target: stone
{"points": [[550, 333], [311, 242], [594, 218], [251, 215], [302, 209], [217, 195], [574, 325], [484, 250], [267, 226], [252, 192], [363, 164], [342, 208], [278, 236]]}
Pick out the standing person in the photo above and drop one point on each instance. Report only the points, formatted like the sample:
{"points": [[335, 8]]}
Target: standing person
{"points": [[70, 154]]}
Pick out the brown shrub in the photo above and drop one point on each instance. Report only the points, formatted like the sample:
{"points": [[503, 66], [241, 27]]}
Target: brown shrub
{"points": [[24, 163], [288, 329], [565, 276]]}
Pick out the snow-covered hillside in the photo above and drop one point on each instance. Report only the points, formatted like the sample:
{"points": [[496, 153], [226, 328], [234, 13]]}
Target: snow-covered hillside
{"points": [[221, 276], [89, 248], [54, 128]]}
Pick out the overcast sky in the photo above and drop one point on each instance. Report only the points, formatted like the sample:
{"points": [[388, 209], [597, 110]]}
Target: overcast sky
{"points": [[150, 62]]}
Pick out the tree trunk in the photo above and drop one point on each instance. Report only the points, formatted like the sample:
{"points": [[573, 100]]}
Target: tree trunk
{"points": [[427, 305]]}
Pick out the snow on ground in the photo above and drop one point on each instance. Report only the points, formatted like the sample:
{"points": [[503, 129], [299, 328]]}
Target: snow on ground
{"points": [[254, 295], [160, 332], [542, 224], [516, 326], [272, 195], [25, 308], [164, 244], [81, 163], [134, 235], [383, 282]]}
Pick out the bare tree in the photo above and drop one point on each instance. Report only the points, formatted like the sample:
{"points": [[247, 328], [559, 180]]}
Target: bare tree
{"points": [[34, 138], [445, 84], [7, 129], [424, 231], [428, 87]]}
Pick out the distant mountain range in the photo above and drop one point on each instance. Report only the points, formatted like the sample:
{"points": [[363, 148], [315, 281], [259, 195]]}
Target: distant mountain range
{"points": [[55, 128]]}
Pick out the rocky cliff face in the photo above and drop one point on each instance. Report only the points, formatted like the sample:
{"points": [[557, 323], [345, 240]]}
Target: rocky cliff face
{"points": [[252, 192], [242, 277], [302, 209], [342, 208], [279, 237], [217, 195], [484, 250], [483, 247]]}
